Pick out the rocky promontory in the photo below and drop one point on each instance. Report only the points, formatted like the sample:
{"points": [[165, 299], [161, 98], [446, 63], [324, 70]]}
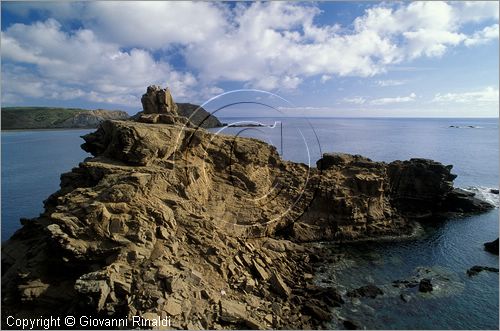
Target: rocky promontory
{"points": [[213, 231]]}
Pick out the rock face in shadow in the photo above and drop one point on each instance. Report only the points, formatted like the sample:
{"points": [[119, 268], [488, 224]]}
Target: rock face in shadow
{"points": [[198, 115], [171, 220], [421, 188], [492, 247]]}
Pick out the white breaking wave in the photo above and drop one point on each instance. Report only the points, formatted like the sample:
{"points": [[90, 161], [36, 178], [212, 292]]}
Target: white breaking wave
{"points": [[485, 194]]}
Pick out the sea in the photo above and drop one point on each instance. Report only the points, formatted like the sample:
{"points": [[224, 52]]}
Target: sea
{"points": [[32, 162]]}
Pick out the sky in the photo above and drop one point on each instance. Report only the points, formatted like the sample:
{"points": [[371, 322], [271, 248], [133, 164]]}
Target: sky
{"points": [[367, 59]]}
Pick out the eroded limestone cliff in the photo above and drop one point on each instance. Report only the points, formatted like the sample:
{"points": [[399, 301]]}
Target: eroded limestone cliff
{"points": [[211, 230]]}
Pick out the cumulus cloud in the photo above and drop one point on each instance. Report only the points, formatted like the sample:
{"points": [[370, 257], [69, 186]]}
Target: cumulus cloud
{"points": [[155, 24], [386, 101], [270, 45], [483, 36], [486, 95], [100, 70]]}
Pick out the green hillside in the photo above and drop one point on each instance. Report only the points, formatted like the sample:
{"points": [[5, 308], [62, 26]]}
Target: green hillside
{"points": [[48, 117]]}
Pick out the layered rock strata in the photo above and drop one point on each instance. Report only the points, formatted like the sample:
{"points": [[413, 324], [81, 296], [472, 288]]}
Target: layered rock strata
{"points": [[207, 229], [159, 107]]}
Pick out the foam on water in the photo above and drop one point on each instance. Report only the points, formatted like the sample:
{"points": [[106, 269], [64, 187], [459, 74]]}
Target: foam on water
{"points": [[485, 194]]}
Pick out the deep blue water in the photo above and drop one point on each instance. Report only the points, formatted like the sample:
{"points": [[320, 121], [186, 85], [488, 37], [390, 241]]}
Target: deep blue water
{"points": [[32, 162]]}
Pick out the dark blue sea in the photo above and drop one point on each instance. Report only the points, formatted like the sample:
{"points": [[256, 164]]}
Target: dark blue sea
{"points": [[32, 162]]}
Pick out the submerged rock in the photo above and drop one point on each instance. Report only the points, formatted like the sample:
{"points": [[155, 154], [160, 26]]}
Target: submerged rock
{"points": [[405, 297]]}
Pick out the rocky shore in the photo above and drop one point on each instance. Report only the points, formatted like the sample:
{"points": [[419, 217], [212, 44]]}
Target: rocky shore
{"points": [[213, 231]]}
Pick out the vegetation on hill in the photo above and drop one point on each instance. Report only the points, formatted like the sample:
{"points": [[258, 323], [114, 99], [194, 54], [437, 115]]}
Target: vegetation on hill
{"points": [[49, 117]]}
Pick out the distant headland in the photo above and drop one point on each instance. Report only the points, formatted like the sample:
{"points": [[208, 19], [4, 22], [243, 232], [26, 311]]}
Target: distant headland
{"points": [[34, 118]]}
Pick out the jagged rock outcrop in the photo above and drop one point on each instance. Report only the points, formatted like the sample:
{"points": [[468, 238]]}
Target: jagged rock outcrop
{"points": [[421, 188], [159, 107], [207, 229], [158, 101]]}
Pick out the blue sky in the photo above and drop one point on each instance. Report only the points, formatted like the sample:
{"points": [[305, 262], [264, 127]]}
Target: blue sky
{"points": [[418, 59]]}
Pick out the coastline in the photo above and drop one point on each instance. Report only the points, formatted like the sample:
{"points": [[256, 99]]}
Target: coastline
{"points": [[47, 129], [257, 264]]}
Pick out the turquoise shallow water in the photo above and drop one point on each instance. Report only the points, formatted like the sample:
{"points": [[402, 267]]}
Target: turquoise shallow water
{"points": [[32, 162]]}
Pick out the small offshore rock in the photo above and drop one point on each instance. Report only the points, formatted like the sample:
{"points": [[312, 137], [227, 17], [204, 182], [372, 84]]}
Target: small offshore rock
{"points": [[492, 247], [477, 269], [494, 191], [425, 285]]}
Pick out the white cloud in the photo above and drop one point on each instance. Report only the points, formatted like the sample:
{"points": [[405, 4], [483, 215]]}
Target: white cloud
{"points": [[325, 78], [100, 70], [390, 82], [476, 11], [483, 36], [269, 45], [271, 40], [155, 24], [385, 101], [487, 95], [355, 100]]}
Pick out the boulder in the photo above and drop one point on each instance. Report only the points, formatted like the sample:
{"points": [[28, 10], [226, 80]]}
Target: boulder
{"points": [[492, 247], [172, 307], [370, 291], [232, 311], [279, 286], [425, 285], [318, 312]]}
